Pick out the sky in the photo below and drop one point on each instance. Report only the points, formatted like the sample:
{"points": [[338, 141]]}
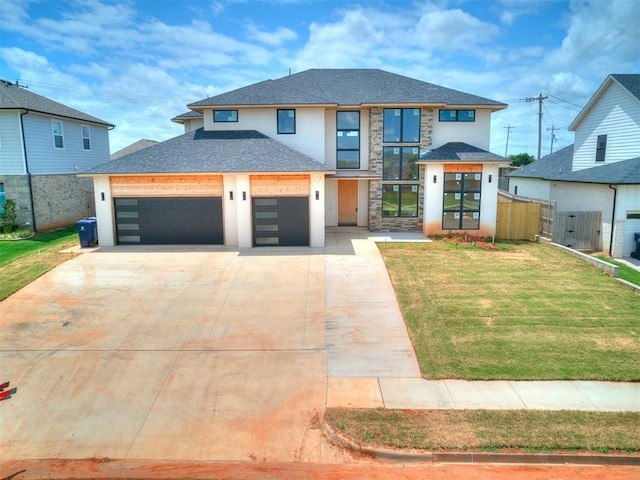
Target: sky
{"points": [[138, 63]]}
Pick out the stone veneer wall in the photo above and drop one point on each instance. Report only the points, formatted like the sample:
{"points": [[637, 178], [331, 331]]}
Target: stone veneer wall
{"points": [[378, 223], [60, 200], [16, 187]]}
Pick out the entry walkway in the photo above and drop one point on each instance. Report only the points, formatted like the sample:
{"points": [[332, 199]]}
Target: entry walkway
{"points": [[371, 362]]}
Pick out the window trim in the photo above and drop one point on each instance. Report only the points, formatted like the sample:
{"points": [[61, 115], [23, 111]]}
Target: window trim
{"points": [[88, 137], [344, 130], [457, 116], [233, 116], [280, 132], [402, 129], [462, 191], [61, 134], [601, 148]]}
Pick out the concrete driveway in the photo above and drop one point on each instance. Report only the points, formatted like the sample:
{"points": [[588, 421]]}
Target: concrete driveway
{"points": [[202, 353]]}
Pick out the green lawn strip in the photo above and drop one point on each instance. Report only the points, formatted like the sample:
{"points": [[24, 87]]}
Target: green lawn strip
{"points": [[528, 312], [11, 250], [626, 272], [491, 430], [29, 259]]}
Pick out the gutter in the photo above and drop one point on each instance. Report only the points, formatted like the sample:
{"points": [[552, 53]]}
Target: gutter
{"points": [[613, 218], [26, 166]]}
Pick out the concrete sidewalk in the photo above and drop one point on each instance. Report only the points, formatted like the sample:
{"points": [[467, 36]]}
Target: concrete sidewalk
{"points": [[371, 362]]}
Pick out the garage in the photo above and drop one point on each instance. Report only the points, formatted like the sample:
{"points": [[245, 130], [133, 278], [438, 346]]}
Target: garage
{"points": [[280, 221], [167, 221]]}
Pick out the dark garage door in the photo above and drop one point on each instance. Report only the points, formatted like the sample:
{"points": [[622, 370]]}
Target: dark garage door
{"points": [[282, 221], [166, 221]]}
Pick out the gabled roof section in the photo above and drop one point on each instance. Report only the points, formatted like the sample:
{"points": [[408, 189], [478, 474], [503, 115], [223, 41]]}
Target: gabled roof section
{"points": [[203, 151], [626, 172], [190, 115], [345, 87], [628, 81], [558, 163], [134, 147], [460, 152], [557, 167], [14, 97]]}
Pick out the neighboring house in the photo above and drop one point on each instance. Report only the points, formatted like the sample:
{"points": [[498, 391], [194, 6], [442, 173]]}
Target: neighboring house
{"points": [[276, 162], [134, 147], [43, 145], [601, 171]]}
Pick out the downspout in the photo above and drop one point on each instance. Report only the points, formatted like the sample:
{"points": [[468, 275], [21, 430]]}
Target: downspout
{"points": [[26, 166], [613, 219]]}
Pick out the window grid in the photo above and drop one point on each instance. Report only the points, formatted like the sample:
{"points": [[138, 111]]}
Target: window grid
{"points": [[461, 201], [86, 137]]}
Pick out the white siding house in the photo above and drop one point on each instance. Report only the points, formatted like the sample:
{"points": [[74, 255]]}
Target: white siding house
{"points": [[601, 171], [43, 145]]}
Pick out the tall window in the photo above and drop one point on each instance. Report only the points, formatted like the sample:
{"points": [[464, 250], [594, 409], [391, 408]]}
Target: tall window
{"points": [[286, 121], [399, 163], [348, 139], [225, 116], [58, 134], [401, 125], [461, 201], [601, 148], [2, 196], [400, 200], [86, 137]]}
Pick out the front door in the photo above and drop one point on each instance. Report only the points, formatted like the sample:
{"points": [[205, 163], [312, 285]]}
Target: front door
{"points": [[348, 202]]}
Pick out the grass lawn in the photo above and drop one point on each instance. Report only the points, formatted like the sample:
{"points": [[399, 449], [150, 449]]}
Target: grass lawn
{"points": [[518, 312], [626, 272], [22, 261], [496, 430]]}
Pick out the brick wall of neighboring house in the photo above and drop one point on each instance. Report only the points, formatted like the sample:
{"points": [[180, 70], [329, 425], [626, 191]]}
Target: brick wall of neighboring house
{"points": [[16, 187], [60, 200], [378, 223], [618, 240]]}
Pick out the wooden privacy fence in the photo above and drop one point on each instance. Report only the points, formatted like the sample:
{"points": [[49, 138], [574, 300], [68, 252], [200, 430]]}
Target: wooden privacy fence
{"points": [[578, 230], [518, 221]]}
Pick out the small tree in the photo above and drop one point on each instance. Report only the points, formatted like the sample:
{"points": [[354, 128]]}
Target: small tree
{"points": [[8, 217], [521, 159]]}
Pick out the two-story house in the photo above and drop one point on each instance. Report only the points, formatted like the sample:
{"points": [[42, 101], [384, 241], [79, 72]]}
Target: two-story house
{"points": [[43, 146], [276, 162], [601, 171]]}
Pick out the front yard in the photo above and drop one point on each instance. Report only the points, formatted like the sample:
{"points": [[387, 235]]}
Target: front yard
{"points": [[513, 311], [507, 311]]}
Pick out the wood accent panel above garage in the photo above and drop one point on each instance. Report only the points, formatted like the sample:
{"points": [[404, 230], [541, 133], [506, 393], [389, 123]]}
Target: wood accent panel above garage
{"points": [[280, 185], [167, 186]]}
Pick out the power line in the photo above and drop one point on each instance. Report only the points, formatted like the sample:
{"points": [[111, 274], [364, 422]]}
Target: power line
{"points": [[509, 128], [540, 98]]}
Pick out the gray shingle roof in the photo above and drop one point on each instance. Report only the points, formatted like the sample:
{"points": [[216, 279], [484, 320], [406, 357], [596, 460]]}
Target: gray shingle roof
{"points": [[203, 151], [134, 147], [344, 87], [13, 97], [557, 163], [190, 115], [629, 81], [460, 152]]}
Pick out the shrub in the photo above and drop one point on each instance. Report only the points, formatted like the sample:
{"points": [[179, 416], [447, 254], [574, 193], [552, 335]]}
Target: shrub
{"points": [[8, 217]]}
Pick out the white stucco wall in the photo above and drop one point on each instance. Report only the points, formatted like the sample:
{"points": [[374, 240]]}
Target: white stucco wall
{"points": [[104, 211], [316, 210], [310, 128], [474, 133], [530, 187]]}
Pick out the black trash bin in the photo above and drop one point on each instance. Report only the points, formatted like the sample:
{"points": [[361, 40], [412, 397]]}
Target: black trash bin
{"points": [[87, 231], [636, 254]]}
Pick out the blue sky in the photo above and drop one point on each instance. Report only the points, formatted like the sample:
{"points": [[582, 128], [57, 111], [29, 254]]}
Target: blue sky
{"points": [[138, 63]]}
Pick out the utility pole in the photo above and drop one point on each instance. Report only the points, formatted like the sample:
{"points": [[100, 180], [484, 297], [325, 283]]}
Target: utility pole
{"points": [[509, 128], [539, 98], [553, 136]]}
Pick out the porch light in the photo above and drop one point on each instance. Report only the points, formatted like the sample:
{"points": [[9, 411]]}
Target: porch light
{"points": [[317, 194], [435, 179], [244, 196], [490, 177], [102, 196], [230, 195]]}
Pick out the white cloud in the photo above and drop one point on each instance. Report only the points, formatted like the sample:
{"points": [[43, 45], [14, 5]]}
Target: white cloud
{"points": [[454, 30], [275, 38]]}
